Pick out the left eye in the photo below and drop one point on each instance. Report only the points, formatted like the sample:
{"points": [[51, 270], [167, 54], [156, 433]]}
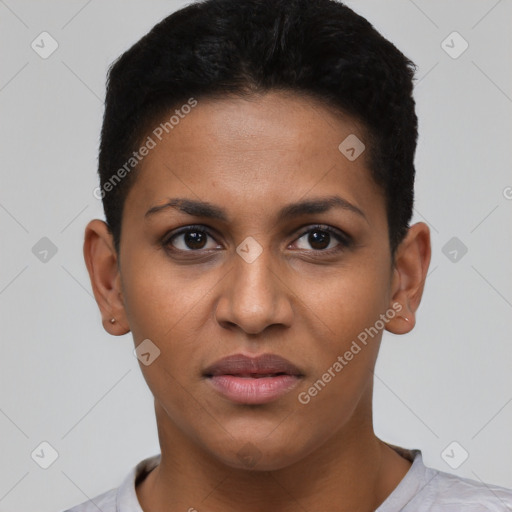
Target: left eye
{"points": [[192, 238], [321, 237]]}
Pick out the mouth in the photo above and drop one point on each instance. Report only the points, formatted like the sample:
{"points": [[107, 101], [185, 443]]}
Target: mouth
{"points": [[253, 380]]}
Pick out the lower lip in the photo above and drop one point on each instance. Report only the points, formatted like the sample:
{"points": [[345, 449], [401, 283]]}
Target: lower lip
{"points": [[249, 390]]}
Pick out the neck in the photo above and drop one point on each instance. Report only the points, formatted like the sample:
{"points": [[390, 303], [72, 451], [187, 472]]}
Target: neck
{"points": [[353, 470]]}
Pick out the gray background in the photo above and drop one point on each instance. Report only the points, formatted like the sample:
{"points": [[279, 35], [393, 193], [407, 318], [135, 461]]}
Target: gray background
{"points": [[65, 381]]}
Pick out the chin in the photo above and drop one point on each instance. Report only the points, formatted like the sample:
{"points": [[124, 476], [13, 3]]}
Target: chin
{"points": [[261, 455]]}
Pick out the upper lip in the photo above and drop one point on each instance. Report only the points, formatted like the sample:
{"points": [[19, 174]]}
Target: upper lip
{"points": [[240, 364]]}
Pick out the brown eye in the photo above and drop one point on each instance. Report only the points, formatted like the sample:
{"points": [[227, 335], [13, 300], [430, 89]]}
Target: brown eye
{"points": [[323, 238], [319, 239], [189, 239], [195, 239]]}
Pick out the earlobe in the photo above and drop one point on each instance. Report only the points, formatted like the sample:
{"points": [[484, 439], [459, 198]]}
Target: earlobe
{"points": [[102, 264], [411, 264]]}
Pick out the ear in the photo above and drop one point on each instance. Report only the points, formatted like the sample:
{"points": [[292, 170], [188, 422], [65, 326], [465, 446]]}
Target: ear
{"points": [[102, 264], [412, 259]]}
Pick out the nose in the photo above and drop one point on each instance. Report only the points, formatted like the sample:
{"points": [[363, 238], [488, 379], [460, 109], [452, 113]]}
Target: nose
{"points": [[254, 296]]}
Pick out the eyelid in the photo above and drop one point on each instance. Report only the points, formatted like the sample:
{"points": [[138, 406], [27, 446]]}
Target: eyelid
{"points": [[325, 227]]}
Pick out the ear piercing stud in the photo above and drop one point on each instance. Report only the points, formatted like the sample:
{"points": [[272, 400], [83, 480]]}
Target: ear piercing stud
{"points": [[112, 320]]}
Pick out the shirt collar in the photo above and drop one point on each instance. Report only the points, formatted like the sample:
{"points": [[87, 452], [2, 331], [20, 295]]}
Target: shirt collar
{"points": [[126, 498], [127, 501]]}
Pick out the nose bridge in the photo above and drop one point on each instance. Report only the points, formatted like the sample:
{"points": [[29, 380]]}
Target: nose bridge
{"points": [[255, 297]]}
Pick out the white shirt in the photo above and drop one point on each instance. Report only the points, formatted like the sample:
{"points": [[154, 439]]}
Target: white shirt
{"points": [[422, 489]]}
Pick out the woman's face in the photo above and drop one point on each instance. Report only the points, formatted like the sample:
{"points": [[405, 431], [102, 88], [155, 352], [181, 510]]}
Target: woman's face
{"points": [[262, 276]]}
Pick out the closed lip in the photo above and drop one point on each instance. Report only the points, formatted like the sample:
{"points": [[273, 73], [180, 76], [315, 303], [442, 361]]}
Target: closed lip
{"points": [[246, 366]]}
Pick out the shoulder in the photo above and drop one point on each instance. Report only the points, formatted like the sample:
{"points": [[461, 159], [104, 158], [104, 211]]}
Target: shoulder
{"points": [[124, 497], [447, 492], [429, 489], [105, 502]]}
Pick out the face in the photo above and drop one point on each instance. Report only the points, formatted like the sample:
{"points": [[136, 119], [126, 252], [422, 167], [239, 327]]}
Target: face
{"points": [[251, 276]]}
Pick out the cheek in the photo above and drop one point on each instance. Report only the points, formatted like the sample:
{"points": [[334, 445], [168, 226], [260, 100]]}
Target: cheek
{"points": [[347, 302], [168, 308], [345, 310], [160, 300]]}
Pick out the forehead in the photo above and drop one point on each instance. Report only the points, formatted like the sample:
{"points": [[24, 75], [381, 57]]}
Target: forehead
{"points": [[254, 154]]}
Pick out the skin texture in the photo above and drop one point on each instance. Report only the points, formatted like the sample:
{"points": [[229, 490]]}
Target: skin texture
{"points": [[252, 157]]}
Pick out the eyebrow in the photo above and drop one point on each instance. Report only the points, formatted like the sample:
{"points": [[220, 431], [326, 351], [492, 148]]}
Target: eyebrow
{"points": [[307, 207]]}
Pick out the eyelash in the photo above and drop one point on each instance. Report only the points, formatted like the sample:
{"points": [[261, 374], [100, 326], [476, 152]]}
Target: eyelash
{"points": [[343, 239]]}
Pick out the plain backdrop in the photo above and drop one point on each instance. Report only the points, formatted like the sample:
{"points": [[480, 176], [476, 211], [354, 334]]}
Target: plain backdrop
{"points": [[66, 382]]}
